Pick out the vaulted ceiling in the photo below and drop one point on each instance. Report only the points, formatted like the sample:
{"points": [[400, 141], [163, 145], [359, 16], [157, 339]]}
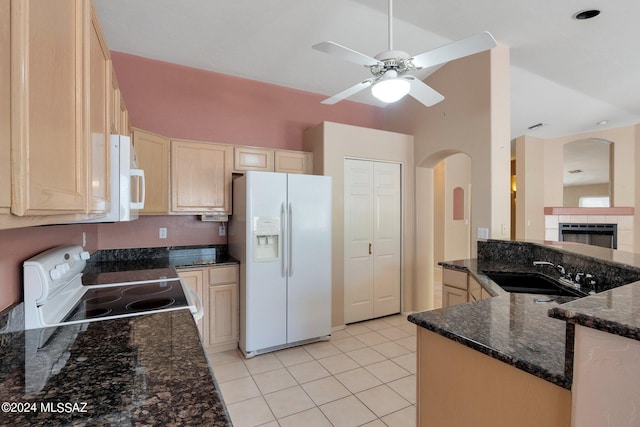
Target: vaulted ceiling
{"points": [[567, 74]]}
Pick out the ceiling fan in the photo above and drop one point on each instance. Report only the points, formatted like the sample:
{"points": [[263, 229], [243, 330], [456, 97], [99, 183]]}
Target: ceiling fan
{"points": [[390, 81]]}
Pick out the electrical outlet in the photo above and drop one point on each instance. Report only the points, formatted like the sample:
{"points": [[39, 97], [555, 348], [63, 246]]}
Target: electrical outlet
{"points": [[84, 239], [222, 230], [483, 233], [162, 233]]}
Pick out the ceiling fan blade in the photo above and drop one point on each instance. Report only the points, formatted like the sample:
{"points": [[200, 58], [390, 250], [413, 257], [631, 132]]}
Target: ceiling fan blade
{"points": [[454, 50], [423, 93], [348, 92], [345, 53]]}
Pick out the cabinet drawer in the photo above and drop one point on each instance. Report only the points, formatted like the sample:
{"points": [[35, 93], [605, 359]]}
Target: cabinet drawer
{"points": [[222, 275], [457, 279]]}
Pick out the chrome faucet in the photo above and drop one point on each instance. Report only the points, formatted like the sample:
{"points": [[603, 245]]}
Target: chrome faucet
{"points": [[559, 267], [564, 276], [543, 263]]}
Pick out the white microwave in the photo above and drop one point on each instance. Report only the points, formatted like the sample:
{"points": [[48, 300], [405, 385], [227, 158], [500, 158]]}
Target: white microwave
{"points": [[127, 185]]}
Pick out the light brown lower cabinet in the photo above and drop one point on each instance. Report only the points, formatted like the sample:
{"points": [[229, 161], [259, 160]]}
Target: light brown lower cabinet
{"points": [[459, 287], [218, 289], [460, 387]]}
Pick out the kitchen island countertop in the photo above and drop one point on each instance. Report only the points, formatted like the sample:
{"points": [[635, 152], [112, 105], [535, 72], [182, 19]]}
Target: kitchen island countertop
{"points": [[142, 370], [532, 332], [513, 328]]}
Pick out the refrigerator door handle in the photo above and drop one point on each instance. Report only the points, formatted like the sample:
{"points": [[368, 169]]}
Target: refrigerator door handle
{"points": [[290, 235], [283, 270]]}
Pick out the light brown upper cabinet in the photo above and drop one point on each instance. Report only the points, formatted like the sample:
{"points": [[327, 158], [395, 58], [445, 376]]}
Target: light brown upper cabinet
{"points": [[119, 113], [201, 176], [60, 113], [153, 157], [5, 107], [49, 169], [252, 159], [290, 161], [98, 118]]}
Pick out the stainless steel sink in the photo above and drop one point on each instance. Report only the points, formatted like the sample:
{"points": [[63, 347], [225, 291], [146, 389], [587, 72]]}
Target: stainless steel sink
{"points": [[531, 283]]}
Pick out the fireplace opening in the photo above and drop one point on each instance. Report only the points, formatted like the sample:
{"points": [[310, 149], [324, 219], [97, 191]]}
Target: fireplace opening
{"points": [[604, 235]]}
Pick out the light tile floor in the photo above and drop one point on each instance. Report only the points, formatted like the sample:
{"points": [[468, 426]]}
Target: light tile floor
{"points": [[365, 375]]}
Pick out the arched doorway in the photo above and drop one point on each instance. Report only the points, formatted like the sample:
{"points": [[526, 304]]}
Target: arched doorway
{"points": [[443, 220]]}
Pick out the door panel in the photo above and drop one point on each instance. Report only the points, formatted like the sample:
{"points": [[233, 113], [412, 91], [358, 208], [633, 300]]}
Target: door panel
{"points": [[309, 256], [358, 235], [372, 239], [265, 287], [386, 270]]}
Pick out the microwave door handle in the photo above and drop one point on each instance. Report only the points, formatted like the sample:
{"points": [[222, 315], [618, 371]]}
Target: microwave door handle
{"points": [[139, 173]]}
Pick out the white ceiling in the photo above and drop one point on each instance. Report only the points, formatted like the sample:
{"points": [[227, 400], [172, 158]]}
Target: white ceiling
{"points": [[565, 73]]}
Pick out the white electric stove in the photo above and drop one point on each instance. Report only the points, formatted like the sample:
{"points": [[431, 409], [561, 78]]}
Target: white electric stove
{"points": [[54, 293]]}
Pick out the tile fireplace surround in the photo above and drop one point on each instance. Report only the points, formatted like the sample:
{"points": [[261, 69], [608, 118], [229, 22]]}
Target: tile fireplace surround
{"points": [[622, 217]]}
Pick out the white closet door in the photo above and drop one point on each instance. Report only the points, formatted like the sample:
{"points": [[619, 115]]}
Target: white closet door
{"points": [[358, 235], [386, 239], [372, 239]]}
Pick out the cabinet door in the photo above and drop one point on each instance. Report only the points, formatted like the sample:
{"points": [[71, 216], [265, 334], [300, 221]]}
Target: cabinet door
{"points": [[5, 107], [125, 126], [194, 280], [48, 149], [223, 308], [115, 104], [98, 112], [453, 296], [200, 177], [153, 157], [252, 159], [293, 161]]}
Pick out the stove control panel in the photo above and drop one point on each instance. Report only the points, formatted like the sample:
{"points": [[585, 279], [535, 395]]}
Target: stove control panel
{"points": [[53, 269]]}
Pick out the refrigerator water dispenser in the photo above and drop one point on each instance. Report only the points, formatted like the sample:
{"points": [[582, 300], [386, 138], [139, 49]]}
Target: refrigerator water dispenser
{"points": [[266, 238]]}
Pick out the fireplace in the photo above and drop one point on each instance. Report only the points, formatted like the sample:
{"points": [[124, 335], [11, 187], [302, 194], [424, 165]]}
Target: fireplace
{"points": [[604, 235]]}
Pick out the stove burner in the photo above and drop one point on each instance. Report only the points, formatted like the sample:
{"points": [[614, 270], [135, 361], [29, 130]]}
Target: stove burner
{"points": [[151, 304], [103, 299], [148, 289], [95, 312]]}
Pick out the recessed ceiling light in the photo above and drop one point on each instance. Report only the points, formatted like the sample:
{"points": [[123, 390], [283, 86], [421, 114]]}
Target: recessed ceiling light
{"points": [[537, 125], [586, 14], [602, 122]]}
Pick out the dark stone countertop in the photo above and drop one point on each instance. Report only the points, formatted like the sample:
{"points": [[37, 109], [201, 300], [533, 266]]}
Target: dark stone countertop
{"points": [[110, 266], [616, 311], [142, 370], [512, 328], [538, 337]]}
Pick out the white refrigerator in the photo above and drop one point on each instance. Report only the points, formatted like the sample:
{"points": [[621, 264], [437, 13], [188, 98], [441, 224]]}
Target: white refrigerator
{"points": [[280, 230]]}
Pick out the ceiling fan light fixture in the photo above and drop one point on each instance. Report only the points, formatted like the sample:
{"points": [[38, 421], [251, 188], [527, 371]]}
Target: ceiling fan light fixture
{"points": [[391, 89]]}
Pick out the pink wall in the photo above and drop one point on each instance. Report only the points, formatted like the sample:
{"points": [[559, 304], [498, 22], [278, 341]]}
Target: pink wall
{"points": [[143, 233], [181, 102], [19, 244]]}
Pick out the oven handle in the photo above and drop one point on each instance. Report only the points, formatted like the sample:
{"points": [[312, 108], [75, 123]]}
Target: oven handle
{"points": [[199, 306]]}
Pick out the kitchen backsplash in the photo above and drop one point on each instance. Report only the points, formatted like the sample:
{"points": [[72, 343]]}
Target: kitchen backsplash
{"points": [[519, 256]]}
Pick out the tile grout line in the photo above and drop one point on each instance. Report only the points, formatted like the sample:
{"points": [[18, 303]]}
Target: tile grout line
{"points": [[319, 355]]}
